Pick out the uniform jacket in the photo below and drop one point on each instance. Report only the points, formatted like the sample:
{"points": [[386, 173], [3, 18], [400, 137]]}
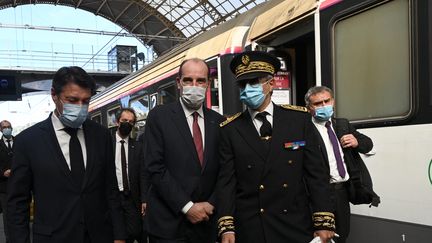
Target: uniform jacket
{"points": [[5, 163], [62, 209], [175, 172], [270, 196]]}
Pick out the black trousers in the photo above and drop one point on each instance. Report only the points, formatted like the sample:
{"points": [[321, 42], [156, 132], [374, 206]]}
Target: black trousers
{"points": [[342, 213], [204, 232], [133, 219], [3, 200]]}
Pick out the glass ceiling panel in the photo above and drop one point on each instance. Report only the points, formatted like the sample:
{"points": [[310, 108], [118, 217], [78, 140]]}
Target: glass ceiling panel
{"points": [[195, 16]]}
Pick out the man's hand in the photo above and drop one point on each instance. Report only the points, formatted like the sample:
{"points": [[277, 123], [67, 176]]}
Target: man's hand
{"points": [[325, 235], [119, 241], [348, 141], [143, 209], [197, 213], [7, 173], [228, 237], [208, 208]]}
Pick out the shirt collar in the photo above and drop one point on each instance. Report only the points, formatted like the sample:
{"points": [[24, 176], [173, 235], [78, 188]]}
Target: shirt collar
{"points": [[188, 112], [318, 122], [269, 109], [118, 138]]}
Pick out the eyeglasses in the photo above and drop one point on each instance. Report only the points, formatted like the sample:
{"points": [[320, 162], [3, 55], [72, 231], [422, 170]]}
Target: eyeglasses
{"points": [[254, 82]]}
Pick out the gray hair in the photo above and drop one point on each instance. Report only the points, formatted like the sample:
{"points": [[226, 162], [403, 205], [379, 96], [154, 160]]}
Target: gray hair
{"points": [[315, 90]]}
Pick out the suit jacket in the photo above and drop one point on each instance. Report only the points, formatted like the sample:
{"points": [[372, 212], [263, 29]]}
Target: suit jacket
{"points": [[5, 163], [63, 211], [175, 172], [270, 195], [365, 144], [135, 161]]}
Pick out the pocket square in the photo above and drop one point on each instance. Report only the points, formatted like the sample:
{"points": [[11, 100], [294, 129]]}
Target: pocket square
{"points": [[294, 145]]}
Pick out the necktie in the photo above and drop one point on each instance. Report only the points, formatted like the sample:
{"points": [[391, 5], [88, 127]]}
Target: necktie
{"points": [[335, 145], [197, 137], [265, 129], [76, 156], [9, 144], [124, 168]]}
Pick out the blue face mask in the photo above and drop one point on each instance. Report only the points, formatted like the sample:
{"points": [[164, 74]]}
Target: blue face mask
{"points": [[7, 132], [73, 115], [252, 95], [324, 113]]}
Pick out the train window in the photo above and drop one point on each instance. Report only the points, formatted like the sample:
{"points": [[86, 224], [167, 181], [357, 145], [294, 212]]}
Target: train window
{"points": [[111, 116], [141, 107], [372, 63], [97, 117], [168, 94]]}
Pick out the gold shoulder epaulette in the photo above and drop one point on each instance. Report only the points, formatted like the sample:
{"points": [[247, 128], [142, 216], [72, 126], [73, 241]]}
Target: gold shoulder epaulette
{"points": [[229, 119], [295, 108]]}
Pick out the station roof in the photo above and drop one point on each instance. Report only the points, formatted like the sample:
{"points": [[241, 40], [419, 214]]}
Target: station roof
{"points": [[158, 23]]}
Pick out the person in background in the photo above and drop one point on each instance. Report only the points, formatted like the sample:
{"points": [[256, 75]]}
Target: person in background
{"points": [[340, 147], [6, 145], [129, 157], [271, 174], [181, 155], [66, 163]]}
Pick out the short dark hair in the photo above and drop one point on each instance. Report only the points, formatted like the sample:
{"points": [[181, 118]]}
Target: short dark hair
{"points": [[127, 109], [195, 59], [73, 74]]}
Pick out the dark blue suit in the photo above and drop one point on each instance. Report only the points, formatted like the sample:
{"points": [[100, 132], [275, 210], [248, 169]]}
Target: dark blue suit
{"points": [[64, 212], [176, 174]]}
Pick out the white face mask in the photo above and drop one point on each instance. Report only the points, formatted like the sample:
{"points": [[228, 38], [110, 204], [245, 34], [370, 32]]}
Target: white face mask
{"points": [[193, 96]]}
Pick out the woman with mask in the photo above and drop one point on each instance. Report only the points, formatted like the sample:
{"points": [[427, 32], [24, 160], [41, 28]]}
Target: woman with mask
{"points": [[271, 169]]}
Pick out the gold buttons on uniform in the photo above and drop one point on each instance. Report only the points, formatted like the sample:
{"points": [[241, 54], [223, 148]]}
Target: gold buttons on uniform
{"points": [[285, 185], [290, 161], [262, 210], [285, 211], [261, 187]]}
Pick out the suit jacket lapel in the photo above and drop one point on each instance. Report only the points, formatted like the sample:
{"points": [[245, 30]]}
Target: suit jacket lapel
{"points": [[210, 128], [131, 158], [51, 141], [183, 127], [247, 130]]}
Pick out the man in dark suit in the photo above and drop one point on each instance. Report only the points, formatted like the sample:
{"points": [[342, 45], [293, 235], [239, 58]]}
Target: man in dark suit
{"points": [[181, 157], [129, 156], [271, 173], [339, 148], [66, 163], [6, 145]]}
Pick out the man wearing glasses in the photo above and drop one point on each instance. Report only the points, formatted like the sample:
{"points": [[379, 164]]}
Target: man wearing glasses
{"points": [[272, 187], [182, 161]]}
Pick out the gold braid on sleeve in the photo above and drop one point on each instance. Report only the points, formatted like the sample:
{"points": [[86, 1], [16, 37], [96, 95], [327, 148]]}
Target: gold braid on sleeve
{"points": [[225, 224], [324, 221]]}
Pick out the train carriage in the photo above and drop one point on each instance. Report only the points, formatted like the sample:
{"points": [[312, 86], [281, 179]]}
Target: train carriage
{"points": [[375, 55]]}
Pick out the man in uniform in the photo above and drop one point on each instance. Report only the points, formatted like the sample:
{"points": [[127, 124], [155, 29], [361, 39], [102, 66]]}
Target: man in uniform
{"points": [[6, 144], [271, 172]]}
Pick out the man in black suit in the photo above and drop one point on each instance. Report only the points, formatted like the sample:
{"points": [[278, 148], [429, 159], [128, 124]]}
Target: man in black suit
{"points": [[6, 145], [339, 148], [129, 156], [182, 160], [272, 187], [66, 163]]}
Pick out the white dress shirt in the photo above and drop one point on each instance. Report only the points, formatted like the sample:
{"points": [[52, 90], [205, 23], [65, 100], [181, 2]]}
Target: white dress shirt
{"points": [[189, 118], [334, 174], [118, 165], [63, 139], [10, 141], [257, 123]]}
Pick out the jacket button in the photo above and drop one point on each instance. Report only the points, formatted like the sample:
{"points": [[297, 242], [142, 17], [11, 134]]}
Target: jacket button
{"points": [[285, 211], [262, 210], [261, 187], [249, 167], [290, 161], [285, 185]]}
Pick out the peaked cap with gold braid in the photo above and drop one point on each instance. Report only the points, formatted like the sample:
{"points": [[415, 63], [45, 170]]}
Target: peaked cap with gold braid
{"points": [[250, 65]]}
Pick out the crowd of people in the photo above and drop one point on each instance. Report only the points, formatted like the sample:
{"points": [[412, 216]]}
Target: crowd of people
{"points": [[270, 174]]}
